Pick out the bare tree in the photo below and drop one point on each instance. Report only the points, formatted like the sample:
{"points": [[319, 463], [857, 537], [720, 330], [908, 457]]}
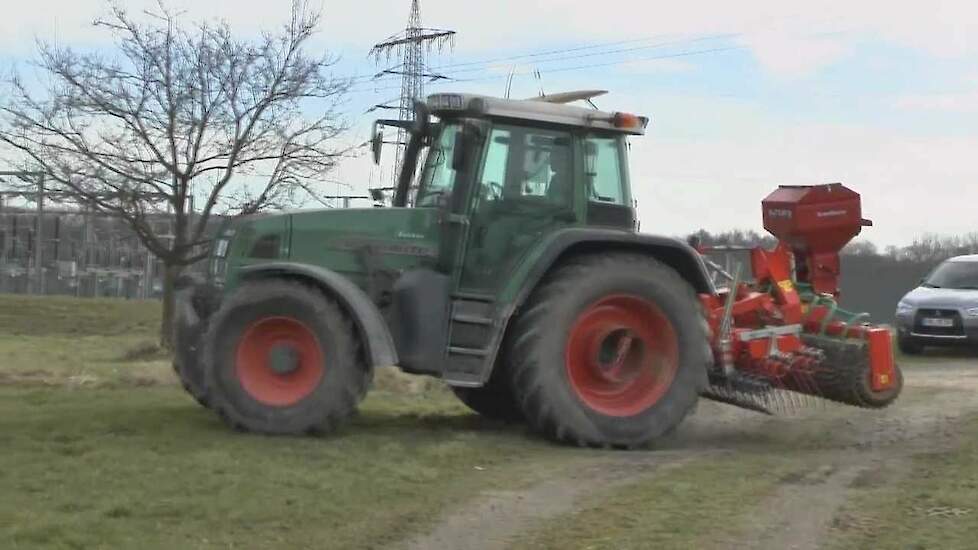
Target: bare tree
{"points": [[860, 247], [174, 112]]}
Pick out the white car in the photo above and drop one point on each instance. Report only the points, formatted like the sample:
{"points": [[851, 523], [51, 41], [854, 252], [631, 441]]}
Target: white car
{"points": [[943, 310]]}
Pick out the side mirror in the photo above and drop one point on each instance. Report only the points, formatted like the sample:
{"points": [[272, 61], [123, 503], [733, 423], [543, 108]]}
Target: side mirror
{"points": [[421, 118], [376, 143], [377, 195]]}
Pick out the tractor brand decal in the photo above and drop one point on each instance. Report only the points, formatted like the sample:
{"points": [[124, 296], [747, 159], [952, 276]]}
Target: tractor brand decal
{"points": [[385, 247], [779, 213], [786, 285], [831, 213], [407, 235]]}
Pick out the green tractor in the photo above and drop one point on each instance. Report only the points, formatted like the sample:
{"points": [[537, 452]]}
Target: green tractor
{"points": [[511, 268]]}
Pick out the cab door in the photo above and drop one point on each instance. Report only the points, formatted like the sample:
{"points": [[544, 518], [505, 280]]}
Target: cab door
{"points": [[521, 188], [524, 189]]}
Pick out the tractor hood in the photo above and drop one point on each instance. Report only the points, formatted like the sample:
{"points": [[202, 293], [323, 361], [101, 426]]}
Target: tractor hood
{"points": [[347, 239]]}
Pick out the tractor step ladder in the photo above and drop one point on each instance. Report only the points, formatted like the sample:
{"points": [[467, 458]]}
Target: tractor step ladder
{"points": [[470, 333]]}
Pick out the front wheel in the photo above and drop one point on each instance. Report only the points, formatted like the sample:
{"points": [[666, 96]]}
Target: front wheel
{"points": [[610, 351], [284, 359], [186, 351]]}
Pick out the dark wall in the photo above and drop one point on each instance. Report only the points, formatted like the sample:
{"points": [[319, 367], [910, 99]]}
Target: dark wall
{"points": [[875, 284]]}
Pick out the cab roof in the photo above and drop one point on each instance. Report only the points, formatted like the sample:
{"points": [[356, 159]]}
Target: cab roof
{"points": [[971, 258], [550, 109]]}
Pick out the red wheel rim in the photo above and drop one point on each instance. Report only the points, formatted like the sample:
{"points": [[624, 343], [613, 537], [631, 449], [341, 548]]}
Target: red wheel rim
{"points": [[622, 355], [279, 361]]}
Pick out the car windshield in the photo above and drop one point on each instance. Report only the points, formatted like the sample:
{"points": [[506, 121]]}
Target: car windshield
{"points": [[955, 275], [438, 177]]}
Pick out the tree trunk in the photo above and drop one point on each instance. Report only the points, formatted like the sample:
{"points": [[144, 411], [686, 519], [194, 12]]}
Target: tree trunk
{"points": [[170, 274]]}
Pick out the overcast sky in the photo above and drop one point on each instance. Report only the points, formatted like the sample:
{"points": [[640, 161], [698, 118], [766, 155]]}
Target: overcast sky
{"points": [[879, 95]]}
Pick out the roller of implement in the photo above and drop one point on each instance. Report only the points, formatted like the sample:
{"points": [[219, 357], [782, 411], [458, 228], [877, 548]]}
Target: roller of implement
{"points": [[781, 341]]}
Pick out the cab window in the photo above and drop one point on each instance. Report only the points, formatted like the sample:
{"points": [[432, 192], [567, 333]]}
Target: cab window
{"points": [[530, 164], [438, 177], [603, 170]]}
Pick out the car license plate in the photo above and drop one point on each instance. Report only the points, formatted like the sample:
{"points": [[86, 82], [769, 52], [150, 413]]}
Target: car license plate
{"points": [[934, 322]]}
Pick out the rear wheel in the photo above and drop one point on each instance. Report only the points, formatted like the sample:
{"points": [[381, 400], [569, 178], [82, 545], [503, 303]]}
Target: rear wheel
{"points": [[495, 400], [611, 350], [284, 359]]}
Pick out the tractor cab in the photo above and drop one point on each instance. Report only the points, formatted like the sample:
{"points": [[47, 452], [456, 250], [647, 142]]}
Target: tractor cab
{"points": [[514, 171]]}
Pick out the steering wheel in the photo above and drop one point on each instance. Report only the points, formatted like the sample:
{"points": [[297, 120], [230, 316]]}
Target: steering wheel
{"points": [[492, 190], [432, 197]]}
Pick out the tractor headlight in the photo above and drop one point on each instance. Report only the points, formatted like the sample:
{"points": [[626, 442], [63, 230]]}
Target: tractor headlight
{"points": [[971, 312], [218, 262], [221, 247], [903, 308], [445, 102]]}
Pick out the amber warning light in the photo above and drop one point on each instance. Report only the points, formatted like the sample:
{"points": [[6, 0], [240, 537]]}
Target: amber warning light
{"points": [[628, 121]]}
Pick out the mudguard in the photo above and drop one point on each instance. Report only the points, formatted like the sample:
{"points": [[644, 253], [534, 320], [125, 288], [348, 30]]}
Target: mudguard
{"points": [[375, 335], [673, 252]]}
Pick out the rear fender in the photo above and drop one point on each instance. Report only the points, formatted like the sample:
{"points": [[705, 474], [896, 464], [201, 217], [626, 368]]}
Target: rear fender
{"points": [[374, 333]]}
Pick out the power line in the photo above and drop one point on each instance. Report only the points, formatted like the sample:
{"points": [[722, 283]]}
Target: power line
{"points": [[688, 53], [360, 83], [451, 76], [581, 48], [486, 63], [619, 62]]}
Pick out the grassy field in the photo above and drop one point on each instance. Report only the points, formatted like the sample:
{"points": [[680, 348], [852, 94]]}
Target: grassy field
{"points": [[99, 448], [128, 467], [104, 451], [936, 506], [80, 342]]}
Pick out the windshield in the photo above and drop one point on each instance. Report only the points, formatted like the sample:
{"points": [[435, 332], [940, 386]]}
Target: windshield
{"points": [[438, 177], [958, 275]]}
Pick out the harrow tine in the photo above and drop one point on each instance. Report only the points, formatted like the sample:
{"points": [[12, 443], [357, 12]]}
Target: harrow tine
{"points": [[741, 390]]}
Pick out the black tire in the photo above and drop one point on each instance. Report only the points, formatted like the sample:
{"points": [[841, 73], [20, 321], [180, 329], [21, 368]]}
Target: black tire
{"points": [[494, 400], [191, 377], [320, 408], [537, 350], [845, 375], [186, 360], [909, 346]]}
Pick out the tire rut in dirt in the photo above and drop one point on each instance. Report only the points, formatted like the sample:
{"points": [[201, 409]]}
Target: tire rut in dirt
{"points": [[329, 375], [537, 351]]}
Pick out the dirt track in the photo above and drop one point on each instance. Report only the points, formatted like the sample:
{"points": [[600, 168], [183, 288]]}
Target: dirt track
{"points": [[853, 447]]}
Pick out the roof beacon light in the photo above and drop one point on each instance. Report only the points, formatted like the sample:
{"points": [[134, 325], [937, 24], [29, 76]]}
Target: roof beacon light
{"points": [[628, 121]]}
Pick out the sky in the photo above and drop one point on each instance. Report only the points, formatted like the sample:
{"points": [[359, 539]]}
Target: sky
{"points": [[743, 96]]}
